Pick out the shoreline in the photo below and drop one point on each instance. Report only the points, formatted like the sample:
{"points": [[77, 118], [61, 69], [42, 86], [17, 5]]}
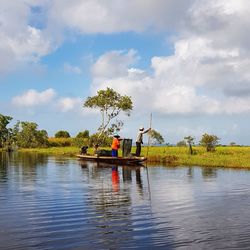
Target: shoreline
{"points": [[228, 157]]}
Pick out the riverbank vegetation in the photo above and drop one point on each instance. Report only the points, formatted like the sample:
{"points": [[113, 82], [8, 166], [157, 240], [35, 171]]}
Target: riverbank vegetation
{"points": [[226, 156]]}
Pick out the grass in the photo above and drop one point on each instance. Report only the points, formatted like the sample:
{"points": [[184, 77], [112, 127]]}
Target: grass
{"points": [[66, 151], [223, 156], [238, 157]]}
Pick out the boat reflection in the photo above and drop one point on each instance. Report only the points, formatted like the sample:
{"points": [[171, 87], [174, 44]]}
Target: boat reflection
{"points": [[113, 191], [119, 174]]}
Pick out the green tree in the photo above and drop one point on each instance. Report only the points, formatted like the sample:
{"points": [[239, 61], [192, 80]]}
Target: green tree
{"points": [[15, 131], [104, 140], [84, 134], [156, 137], [110, 104], [209, 141], [82, 139], [233, 144], [190, 141], [42, 138], [4, 131], [30, 137], [181, 143], [11, 141], [62, 134]]}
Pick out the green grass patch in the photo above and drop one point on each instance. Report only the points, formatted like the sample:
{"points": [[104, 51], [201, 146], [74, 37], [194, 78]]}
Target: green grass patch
{"points": [[222, 157], [238, 157]]}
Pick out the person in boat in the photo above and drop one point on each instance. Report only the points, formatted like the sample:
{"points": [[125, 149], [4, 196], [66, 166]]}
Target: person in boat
{"points": [[115, 145], [96, 146], [84, 150], [139, 140]]}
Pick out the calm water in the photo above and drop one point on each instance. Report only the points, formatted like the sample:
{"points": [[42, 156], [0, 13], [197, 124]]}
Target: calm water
{"points": [[58, 203]]}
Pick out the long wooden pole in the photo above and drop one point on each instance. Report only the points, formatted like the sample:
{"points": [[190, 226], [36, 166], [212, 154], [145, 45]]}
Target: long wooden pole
{"points": [[150, 125], [149, 192]]}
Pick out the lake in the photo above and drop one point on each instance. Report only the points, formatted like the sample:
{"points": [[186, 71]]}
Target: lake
{"points": [[49, 202]]}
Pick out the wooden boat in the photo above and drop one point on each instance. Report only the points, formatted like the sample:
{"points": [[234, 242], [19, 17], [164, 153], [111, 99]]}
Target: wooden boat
{"points": [[113, 160]]}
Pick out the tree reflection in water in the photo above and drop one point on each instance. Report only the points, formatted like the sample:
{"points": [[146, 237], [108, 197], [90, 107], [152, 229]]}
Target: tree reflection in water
{"points": [[4, 162], [209, 173], [190, 172], [25, 164]]}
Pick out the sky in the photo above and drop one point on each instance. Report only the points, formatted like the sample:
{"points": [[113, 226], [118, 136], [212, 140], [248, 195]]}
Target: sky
{"points": [[185, 61]]}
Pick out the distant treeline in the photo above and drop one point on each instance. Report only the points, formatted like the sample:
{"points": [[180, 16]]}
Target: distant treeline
{"points": [[27, 135]]}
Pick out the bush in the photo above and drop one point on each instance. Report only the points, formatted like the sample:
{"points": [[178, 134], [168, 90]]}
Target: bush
{"points": [[84, 134], [209, 141], [79, 142], [181, 144], [103, 140], [60, 142], [62, 134], [28, 136]]}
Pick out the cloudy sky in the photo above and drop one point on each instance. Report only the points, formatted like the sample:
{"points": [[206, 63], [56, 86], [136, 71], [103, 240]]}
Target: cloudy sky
{"points": [[185, 61]]}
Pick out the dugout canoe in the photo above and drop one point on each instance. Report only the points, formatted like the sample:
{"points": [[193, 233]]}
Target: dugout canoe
{"points": [[113, 160]]}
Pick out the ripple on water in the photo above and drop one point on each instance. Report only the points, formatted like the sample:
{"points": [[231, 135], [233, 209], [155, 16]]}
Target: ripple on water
{"points": [[57, 204]]}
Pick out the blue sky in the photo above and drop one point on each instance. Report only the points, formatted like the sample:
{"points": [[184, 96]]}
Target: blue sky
{"points": [[185, 61]]}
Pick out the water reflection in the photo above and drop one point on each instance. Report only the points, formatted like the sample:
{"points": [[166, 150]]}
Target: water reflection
{"points": [[59, 203], [115, 179], [209, 173], [127, 174], [110, 186], [190, 172], [4, 159], [25, 160]]}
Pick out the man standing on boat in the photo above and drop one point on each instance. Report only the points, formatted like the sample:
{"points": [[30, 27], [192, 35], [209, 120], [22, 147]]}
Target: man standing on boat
{"points": [[139, 140], [115, 145]]}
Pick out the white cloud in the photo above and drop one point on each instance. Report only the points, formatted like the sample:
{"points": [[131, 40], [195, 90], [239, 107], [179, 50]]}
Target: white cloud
{"points": [[30, 45], [20, 42], [208, 72], [193, 80], [224, 22], [74, 104], [97, 16], [113, 64], [72, 69], [33, 98], [66, 104]]}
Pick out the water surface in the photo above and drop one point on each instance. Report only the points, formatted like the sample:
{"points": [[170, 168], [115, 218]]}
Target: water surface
{"points": [[59, 203]]}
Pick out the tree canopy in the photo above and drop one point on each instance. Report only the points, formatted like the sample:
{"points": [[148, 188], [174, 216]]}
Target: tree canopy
{"points": [[181, 143], [110, 104], [209, 141], [83, 134], [62, 134], [156, 137], [4, 131], [190, 142], [28, 136]]}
